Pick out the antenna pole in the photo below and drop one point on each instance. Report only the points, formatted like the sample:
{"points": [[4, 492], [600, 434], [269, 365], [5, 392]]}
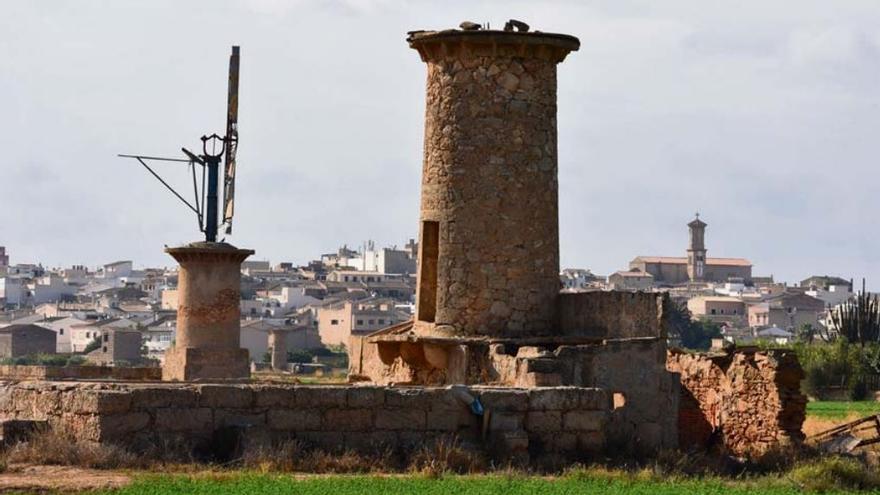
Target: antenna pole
{"points": [[213, 163]]}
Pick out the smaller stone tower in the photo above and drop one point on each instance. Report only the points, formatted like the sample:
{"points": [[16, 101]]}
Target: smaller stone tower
{"points": [[696, 253], [208, 330]]}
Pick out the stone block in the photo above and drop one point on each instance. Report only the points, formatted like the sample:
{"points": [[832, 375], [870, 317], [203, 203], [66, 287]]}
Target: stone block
{"points": [[410, 398], [293, 420], [553, 399], [85, 427], [38, 404], [238, 417], [505, 421], [6, 398], [543, 421], [505, 400], [118, 427], [226, 396], [188, 420], [591, 442], [400, 419], [446, 420], [365, 397], [584, 420], [96, 401], [321, 397], [274, 396], [146, 398], [511, 444], [650, 436], [189, 363], [594, 398], [348, 420]]}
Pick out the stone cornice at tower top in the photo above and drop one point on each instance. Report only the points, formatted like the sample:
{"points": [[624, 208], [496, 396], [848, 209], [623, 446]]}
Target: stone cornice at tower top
{"points": [[451, 43]]}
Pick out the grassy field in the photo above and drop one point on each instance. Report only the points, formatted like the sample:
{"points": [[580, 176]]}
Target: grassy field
{"points": [[270, 484], [841, 409]]}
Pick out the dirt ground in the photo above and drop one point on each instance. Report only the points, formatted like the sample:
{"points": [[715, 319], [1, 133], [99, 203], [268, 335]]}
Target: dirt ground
{"points": [[58, 478]]}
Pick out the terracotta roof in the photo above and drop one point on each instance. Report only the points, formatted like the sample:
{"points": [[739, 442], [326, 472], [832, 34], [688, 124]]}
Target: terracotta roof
{"points": [[674, 260]]}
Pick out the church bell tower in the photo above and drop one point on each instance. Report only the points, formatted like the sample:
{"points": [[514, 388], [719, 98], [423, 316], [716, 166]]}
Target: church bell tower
{"points": [[696, 253]]}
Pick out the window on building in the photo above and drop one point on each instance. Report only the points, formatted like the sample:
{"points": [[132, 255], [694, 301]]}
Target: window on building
{"points": [[60, 331], [334, 322], [106, 337], [360, 322], [105, 349], [713, 311], [372, 322], [381, 321], [88, 334]]}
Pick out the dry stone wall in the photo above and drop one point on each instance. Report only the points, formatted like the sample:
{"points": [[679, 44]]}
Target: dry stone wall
{"points": [[745, 401], [560, 420]]}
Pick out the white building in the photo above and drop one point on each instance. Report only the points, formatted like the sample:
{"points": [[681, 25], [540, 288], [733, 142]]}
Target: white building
{"points": [[62, 327], [13, 291], [833, 295], [117, 269], [83, 334]]}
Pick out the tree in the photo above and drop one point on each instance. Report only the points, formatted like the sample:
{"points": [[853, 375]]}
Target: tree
{"points": [[691, 334], [93, 345]]}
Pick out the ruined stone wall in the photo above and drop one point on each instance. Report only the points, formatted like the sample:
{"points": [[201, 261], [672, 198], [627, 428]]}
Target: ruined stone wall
{"points": [[612, 314], [745, 401], [645, 394], [564, 420], [30, 372], [489, 181]]}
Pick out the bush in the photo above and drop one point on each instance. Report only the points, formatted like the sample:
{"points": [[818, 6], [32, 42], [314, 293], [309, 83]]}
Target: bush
{"points": [[52, 447], [301, 356], [93, 345], [833, 474], [838, 365]]}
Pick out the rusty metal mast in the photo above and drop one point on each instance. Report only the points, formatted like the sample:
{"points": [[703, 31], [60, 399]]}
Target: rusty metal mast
{"points": [[214, 150]]}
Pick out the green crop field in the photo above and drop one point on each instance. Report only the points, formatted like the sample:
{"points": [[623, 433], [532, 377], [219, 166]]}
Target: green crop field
{"points": [[269, 484], [841, 409]]}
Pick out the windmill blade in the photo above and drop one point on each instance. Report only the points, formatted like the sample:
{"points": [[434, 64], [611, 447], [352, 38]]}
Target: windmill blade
{"points": [[232, 141]]}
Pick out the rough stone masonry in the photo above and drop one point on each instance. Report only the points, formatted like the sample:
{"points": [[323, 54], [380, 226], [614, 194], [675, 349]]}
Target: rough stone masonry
{"points": [[518, 422], [489, 234], [743, 401]]}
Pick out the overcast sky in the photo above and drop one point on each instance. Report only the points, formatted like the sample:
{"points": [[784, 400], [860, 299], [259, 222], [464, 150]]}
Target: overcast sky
{"points": [[761, 115]]}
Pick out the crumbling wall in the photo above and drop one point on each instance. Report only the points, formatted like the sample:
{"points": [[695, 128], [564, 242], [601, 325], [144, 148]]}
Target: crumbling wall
{"points": [[645, 394], [744, 401], [612, 314], [561, 420]]}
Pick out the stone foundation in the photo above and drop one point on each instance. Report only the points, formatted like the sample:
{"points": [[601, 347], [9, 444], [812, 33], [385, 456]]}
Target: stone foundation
{"points": [[743, 401], [189, 363], [568, 421], [615, 341]]}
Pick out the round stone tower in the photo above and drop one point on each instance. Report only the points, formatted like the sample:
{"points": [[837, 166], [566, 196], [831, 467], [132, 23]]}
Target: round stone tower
{"points": [[489, 233]]}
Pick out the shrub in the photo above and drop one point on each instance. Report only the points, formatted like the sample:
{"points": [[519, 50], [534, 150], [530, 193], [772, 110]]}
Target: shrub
{"points": [[835, 473], [51, 447], [837, 365], [93, 345]]}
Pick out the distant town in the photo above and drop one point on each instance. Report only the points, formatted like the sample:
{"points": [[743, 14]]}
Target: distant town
{"points": [[116, 314]]}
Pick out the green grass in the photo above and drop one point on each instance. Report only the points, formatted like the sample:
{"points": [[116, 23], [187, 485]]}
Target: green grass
{"points": [[841, 409], [270, 484]]}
